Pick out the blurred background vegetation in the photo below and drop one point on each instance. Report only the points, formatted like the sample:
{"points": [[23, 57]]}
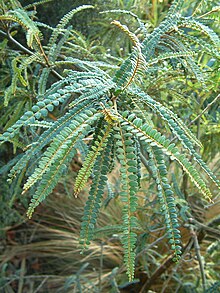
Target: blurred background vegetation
{"points": [[42, 254]]}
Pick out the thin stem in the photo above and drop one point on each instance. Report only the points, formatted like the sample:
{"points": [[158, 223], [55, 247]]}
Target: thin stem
{"points": [[145, 163], [210, 230], [206, 108], [24, 49], [41, 285], [194, 120], [101, 267], [22, 273], [215, 9], [163, 267], [198, 129], [150, 246], [187, 250], [29, 52], [199, 258]]}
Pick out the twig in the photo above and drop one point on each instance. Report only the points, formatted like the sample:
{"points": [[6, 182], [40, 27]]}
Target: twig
{"points": [[151, 245], [206, 108], [145, 163], [164, 266], [199, 258], [29, 52], [24, 49], [156, 274], [215, 9], [188, 248], [41, 285], [101, 267], [208, 229], [22, 273]]}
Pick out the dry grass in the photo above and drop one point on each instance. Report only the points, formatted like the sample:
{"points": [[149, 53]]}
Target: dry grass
{"points": [[43, 254]]}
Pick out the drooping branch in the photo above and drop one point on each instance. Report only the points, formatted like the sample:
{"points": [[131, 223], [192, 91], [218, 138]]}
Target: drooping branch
{"points": [[29, 52]]}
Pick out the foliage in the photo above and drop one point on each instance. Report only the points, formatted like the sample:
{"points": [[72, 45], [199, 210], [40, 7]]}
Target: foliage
{"points": [[115, 106]]}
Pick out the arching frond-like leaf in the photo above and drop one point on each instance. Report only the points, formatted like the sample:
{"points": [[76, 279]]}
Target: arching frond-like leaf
{"points": [[126, 12], [96, 148], [192, 23], [68, 135], [21, 16], [165, 197], [64, 21], [181, 131], [54, 171], [126, 154], [40, 2], [93, 204], [148, 134]]}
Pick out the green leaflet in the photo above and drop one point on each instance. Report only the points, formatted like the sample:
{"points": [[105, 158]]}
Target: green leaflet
{"points": [[169, 55], [40, 2], [43, 81], [148, 134], [20, 16], [194, 24], [165, 198], [93, 204], [171, 118], [204, 46], [66, 138], [129, 186], [53, 172], [50, 180], [56, 95], [18, 71], [96, 148], [64, 21], [179, 129], [49, 134], [132, 66], [39, 110], [151, 42]]}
